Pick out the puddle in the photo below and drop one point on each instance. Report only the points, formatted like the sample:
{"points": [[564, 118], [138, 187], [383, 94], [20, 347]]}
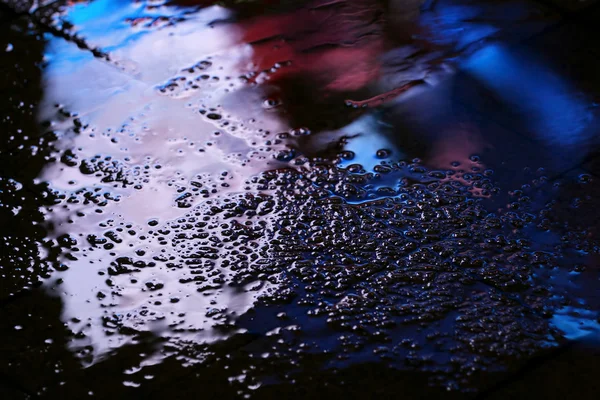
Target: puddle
{"points": [[577, 323], [305, 181]]}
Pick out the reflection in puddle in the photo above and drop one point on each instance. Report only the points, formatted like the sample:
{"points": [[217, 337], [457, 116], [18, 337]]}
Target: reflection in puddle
{"points": [[213, 180], [549, 105], [158, 152], [576, 323]]}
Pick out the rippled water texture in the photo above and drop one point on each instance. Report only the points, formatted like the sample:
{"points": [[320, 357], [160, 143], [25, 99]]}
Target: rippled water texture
{"points": [[259, 194]]}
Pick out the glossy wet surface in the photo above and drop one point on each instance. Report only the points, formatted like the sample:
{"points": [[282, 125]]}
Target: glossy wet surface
{"points": [[305, 199]]}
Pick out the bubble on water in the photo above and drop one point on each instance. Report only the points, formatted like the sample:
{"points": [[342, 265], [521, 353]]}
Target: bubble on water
{"points": [[271, 103], [285, 155], [585, 178], [383, 153], [347, 155], [301, 132]]}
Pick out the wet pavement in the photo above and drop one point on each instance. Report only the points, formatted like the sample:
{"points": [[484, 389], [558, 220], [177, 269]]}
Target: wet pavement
{"points": [[299, 199]]}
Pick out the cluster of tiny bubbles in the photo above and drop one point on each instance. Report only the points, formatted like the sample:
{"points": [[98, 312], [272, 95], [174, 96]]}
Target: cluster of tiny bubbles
{"points": [[21, 264], [429, 256], [418, 275], [399, 264], [199, 77], [200, 186], [253, 78]]}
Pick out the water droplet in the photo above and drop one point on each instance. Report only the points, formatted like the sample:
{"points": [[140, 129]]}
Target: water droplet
{"points": [[383, 153]]}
